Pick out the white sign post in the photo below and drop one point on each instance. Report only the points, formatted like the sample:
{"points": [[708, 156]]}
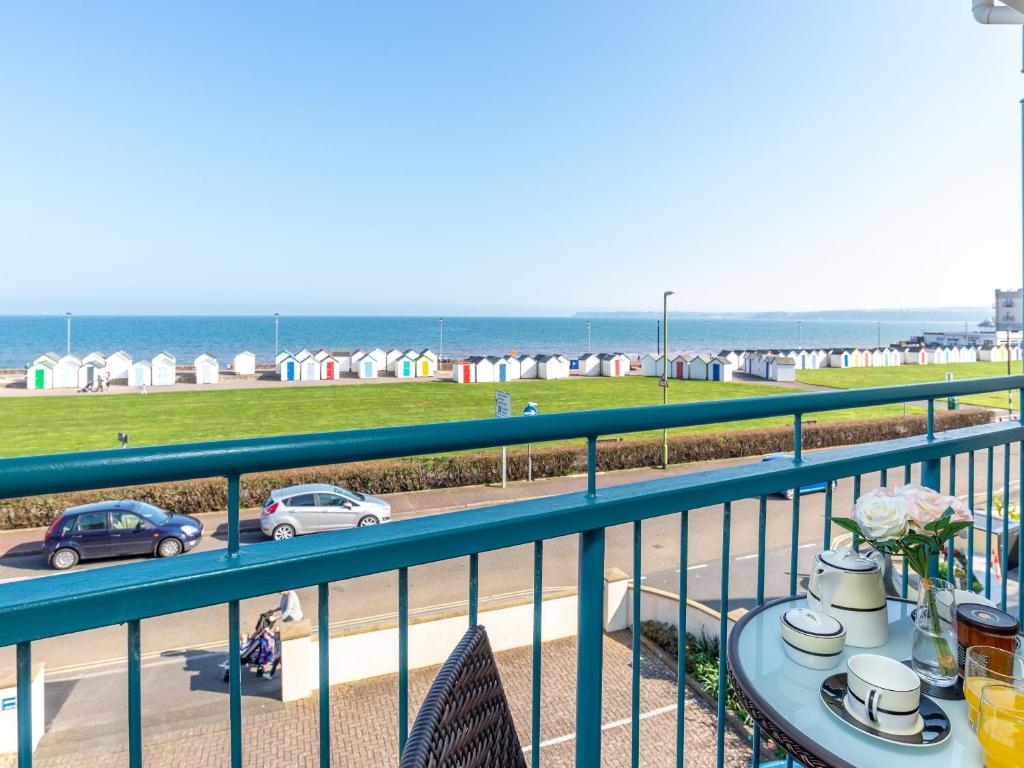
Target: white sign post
{"points": [[529, 410], [502, 410]]}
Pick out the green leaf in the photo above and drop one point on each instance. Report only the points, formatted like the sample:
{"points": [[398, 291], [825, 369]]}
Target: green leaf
{"points": [[851, 525]]}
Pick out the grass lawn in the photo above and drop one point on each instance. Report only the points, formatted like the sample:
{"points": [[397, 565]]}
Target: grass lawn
{"points": [[851, 378], [82, 422]]}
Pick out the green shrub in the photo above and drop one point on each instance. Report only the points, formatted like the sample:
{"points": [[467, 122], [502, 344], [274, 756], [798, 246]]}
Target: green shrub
{"points": [[462, 469]]}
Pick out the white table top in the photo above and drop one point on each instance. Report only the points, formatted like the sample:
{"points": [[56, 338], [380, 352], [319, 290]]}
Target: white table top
{"points": [[787, 694]]}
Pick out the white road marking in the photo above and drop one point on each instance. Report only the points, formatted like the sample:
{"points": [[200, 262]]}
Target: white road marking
{"points": [[808, 544], [605, 727], [745, 557]]}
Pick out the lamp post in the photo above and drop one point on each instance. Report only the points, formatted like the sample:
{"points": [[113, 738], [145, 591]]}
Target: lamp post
{"points": [[658, 337], [706, 324], [878, 341], [664, 373], [588, 337], [799, 333], [277, 319], [68, 316], [440, 346]]}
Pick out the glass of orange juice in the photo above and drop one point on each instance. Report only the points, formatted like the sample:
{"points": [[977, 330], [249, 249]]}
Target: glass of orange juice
{"points": [[1001, 725], [985, 665]]}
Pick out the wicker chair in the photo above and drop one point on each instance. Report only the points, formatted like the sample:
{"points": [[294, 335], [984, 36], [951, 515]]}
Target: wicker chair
{"points": [[465, 721]]}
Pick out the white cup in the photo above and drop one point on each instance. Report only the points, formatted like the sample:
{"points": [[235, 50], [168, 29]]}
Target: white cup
{"points": [[883, 692]]}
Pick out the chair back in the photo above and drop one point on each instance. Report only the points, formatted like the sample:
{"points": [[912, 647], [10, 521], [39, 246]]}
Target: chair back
{"points": [[465, 721]]}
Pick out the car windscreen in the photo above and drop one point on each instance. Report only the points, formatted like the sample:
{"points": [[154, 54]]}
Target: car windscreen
{"points": [[155, 515]]}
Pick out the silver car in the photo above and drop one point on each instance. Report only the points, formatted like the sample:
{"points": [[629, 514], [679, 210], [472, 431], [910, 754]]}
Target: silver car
{"points": [[317, 507]]}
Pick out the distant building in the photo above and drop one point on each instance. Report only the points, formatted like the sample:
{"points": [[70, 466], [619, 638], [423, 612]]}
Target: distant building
{"points": [[589, 364], [552, 367], [164, 369], [118, 365], [614, 364], [244, 364], [527, 367], [141, 374], [207, 369], [287, 367], [463, 372], [40, 372]]}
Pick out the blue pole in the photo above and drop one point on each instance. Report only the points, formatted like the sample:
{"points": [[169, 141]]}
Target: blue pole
{"points": [[589, 652]]}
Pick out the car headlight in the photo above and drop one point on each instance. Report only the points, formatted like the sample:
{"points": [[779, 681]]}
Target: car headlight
{"points": [[189, 530]]}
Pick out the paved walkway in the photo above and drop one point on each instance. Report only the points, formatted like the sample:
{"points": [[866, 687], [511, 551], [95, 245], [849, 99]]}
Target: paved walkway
{"points": [[364, 717]]}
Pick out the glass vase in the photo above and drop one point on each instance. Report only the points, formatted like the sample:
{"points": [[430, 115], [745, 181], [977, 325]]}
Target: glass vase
{"points": [[934, 651]]}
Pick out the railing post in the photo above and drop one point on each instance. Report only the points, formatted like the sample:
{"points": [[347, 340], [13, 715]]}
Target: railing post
{"points": [[589, 652], [684, 571], [592, 465], [24, 683], [134, 695], [403, 658], [538, 636], [235, 683], [234, 502], [931, 477], [723, 629], [323, 636]]}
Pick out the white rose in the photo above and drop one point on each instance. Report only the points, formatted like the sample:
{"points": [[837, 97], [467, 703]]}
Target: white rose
{"points": [[882, 515]]}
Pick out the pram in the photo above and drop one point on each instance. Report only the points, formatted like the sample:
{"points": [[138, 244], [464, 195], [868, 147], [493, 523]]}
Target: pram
{"points": [[259, 649]]}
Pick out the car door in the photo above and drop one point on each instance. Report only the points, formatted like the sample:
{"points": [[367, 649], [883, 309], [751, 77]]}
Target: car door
{"points": [[130, 534], [305, 512], [336, 511], [92, 534]]}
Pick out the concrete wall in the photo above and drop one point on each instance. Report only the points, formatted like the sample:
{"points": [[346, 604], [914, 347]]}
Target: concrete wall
{"points": [[9, 710]]}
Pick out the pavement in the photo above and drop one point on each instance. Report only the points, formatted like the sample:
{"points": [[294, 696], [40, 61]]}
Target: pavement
{"points": [[364, 720]]}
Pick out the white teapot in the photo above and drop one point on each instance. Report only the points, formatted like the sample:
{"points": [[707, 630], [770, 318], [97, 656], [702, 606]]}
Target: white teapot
{"points": [[848, 586]]}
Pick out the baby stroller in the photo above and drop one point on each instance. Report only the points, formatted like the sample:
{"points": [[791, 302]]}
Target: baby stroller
{"points": [[258, 649]]}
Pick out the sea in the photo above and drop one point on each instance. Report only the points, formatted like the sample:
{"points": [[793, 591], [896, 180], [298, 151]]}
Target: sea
{"points": [[23, 338]]}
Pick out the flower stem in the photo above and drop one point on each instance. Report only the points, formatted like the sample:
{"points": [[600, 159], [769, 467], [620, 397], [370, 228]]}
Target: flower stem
{"points": [[943, 654]]}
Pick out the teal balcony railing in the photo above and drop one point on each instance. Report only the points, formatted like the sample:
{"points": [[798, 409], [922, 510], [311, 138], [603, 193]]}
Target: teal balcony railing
{"points": [[127, 594]]}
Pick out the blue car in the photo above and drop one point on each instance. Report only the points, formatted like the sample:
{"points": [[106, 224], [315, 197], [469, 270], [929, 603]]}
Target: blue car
{"points": [[788, 493], [115, 529]]}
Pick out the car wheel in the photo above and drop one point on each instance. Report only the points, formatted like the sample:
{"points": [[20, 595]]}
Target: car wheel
{"points": [[169, 547], [283, 532], [64, 558], [366, 520]]}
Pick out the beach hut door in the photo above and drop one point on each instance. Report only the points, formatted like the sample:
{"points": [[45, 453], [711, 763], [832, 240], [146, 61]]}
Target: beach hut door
{"points": [[716, 372], [618, 367], [290, 372], [40, 378], [405, 368], [501, 372], [424, 368], [680, 370], [368, 369]]}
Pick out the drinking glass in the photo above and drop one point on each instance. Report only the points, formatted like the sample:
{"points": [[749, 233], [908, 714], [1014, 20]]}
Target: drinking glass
{"points": [[933, 653], [985, 665], [1001, 725]]}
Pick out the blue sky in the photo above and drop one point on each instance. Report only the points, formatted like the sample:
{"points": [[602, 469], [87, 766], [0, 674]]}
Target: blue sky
{"points": [[496, 158]]}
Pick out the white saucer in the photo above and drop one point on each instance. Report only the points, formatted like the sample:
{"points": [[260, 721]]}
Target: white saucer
{"points": [[912, 731]]}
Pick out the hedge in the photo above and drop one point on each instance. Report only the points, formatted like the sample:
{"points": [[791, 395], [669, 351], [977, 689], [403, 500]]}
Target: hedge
{"points": [[455, 470]]}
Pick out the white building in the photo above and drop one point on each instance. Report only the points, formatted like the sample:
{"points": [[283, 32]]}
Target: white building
{"points": [[40, 373], [118, 365], [390, 357], [309, 368], [91, 370], [329, 368], [280, 358], [463, 372], [552, 367], [483, 369], [164, 369], [344, 360], [679, 365], [513, 368], [404, 366], [368, 367], [141, 374], [697, 368], [650, 364], [527, 367], [426, 364], [614, 364], [781, 369], [589, 364], [287, 367], [842, 358], [379, 356], [719, 369], [207, 369], [244, 364], [915, 356]]}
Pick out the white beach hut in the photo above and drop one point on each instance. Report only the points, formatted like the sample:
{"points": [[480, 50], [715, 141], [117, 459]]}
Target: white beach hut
{"points": [[287, 367], [589, 364], [463, 372], [719, 369], [503, 368], [141, 374], [515, 367], [679, 365], [65, 373], [344, 360], [309, 368], [650, 364], [527, 367], [244, 364], [164, 369], [483, 369], [302, 354], [698, 368], [913, 355], [552, 367], [426, 364], [969, 354], [404, 366], [379, 356], [40, 373], [841, 358], [368, 367], [781, 369], [207, 369], [118, 365], [329, 369], [355, 357], [614, 364], [91, 369], [280, 358], [391, 357]]}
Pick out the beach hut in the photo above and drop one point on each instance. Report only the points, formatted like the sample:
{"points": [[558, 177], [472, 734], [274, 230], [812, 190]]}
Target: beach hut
{"points": [[118, 365], [426, 364], [650, 364], [91, 369], [841, 358], [379, 356], [678, 365], [506, 368], [321, 354], [309, 368], [369, 367], [390, 357], [552, 367], [302, 354], [244, 364], [404, 367], [207, 369], [141, 374], [65, 373], [1015, 352], [782, 369], [719, 369], [280, 358], [40, 373], [698, 368], [328, 368], [515, 368], [164, 369], [483, 368], [463, 372], [355, 357], [969, 354], [589, 364], [343, 359], [913, 355], [527, 367], [287, 367], [614, 364]]}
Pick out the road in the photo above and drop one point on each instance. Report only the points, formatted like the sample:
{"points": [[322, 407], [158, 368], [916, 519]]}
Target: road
{"points": [[502, 572]]}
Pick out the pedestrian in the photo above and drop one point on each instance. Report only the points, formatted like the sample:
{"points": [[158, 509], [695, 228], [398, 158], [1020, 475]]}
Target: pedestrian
{"points": [[289, 608]]}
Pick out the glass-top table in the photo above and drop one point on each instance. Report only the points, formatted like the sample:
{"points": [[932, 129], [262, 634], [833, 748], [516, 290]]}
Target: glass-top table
{"points": [[783, 697]]}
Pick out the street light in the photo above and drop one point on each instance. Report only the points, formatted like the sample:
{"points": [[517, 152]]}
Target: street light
{"points": [[68, 316], [706, 323], [658, 337], [277, 319], [588, 337], [879, 339], [664, 373], [799, 333], [440, 347]]}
